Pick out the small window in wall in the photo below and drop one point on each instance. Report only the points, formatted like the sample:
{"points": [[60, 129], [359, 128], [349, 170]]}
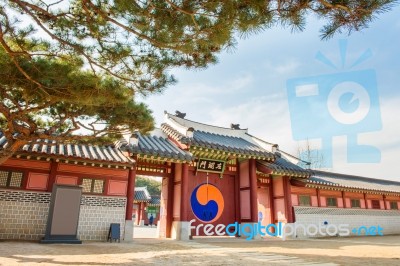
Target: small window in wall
{"points": [[375, 204], [304, 200], [11, 179], [355, 203], [393, 205], [331, 202], [91, 185]]}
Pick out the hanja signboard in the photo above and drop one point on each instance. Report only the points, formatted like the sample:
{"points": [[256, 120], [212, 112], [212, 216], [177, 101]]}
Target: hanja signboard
{"points": [[212, 166], [208, 204]]}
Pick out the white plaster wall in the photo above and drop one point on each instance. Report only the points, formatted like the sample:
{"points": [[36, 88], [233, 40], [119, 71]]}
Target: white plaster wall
{"points": [[389, 220]]}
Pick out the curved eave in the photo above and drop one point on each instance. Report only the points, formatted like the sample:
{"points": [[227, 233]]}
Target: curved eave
{"points": [[159, 149], [321, 185], [277, 170], [262, 174], [263, 169], [290, 173], [173, 133], [160, 158], [71, 159], [200, 151]]}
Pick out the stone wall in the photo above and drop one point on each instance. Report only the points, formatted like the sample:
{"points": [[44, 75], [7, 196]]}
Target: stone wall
{"points": [[388, 220], [23, 215], [97, 213]]}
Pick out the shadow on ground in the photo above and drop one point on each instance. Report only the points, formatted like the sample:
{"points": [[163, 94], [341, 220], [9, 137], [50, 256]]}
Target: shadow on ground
{"points": [[208, 251]]}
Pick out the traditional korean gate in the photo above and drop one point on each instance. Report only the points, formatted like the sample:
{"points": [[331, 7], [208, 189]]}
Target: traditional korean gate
{"points": [[218, 194]]}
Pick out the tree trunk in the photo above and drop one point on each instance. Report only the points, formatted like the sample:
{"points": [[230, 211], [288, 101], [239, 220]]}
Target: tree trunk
{"points": [[11, 148]]}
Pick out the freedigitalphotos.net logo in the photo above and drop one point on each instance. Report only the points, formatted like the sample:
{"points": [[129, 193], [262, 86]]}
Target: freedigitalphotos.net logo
{"points": [[208, 204], [343, 103], [250, 231]]}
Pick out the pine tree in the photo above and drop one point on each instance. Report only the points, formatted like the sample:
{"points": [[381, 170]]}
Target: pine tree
{"points": [[71, 66], [57, 100], [138, 41]]}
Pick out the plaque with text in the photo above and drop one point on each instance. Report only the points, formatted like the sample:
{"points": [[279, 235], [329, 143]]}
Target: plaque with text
{"points": [[212, 166]]}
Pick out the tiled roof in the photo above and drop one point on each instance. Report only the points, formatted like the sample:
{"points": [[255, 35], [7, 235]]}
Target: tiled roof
{"points": [[155, 200], [73, 151], [283, 167], [157, 144], [322, 178], [236, 141], [142, 195], [173, 133], [229, 144], [181, 125]]}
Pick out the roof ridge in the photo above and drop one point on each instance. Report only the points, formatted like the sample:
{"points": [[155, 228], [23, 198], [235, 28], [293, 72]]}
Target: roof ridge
{"points": [[294, 157], [357, 176], [260, 139], [204, 124]]}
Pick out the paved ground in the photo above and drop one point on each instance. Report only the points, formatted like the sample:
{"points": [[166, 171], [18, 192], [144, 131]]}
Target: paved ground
{"points": [[145, 232], [209, 251]]}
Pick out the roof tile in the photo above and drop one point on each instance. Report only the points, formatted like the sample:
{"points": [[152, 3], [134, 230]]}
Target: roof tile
{"points": [[353, 182], [159, 146], [48, 147], [283, 167], [217, 138], [142, 194]]}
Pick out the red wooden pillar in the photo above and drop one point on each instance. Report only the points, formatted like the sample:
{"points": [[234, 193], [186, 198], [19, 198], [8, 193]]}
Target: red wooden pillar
{"points": [[253, 190], [288, 199], [271, 200], [184, 192], [237, 193], [139, 212], [384, 202], [145, 212], [170, 202], [319, 197], [142, 213], [130, 193], [344, 201], [52, 176], [365, 200]]}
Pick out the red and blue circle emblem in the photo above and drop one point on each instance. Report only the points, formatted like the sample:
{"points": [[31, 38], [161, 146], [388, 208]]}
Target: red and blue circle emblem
{"points": [[207, 203]]}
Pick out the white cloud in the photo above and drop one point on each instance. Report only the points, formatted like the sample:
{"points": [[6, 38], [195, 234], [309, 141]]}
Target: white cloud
{"points": [[386, 140], [266, 117], [287, 68], [197, 95], [202, 88]]}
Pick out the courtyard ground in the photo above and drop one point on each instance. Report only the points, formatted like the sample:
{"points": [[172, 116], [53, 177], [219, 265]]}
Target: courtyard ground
{"points": [[363, 251]]}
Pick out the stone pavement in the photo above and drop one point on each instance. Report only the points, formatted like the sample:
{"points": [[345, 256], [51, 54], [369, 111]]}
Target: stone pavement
{"points": [[144, 231], [207, 251]]}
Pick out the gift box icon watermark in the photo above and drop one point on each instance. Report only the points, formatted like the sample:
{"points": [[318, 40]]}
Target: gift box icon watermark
{"points": [[338, 104]]}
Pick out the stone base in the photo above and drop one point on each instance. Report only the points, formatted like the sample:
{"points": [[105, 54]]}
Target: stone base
{"points": [[128, 232], [158, 229], [60, 241], [180, 231]]}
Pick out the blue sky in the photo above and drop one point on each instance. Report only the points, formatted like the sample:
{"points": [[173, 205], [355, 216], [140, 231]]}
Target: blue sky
{"points": [[249, 87]]}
